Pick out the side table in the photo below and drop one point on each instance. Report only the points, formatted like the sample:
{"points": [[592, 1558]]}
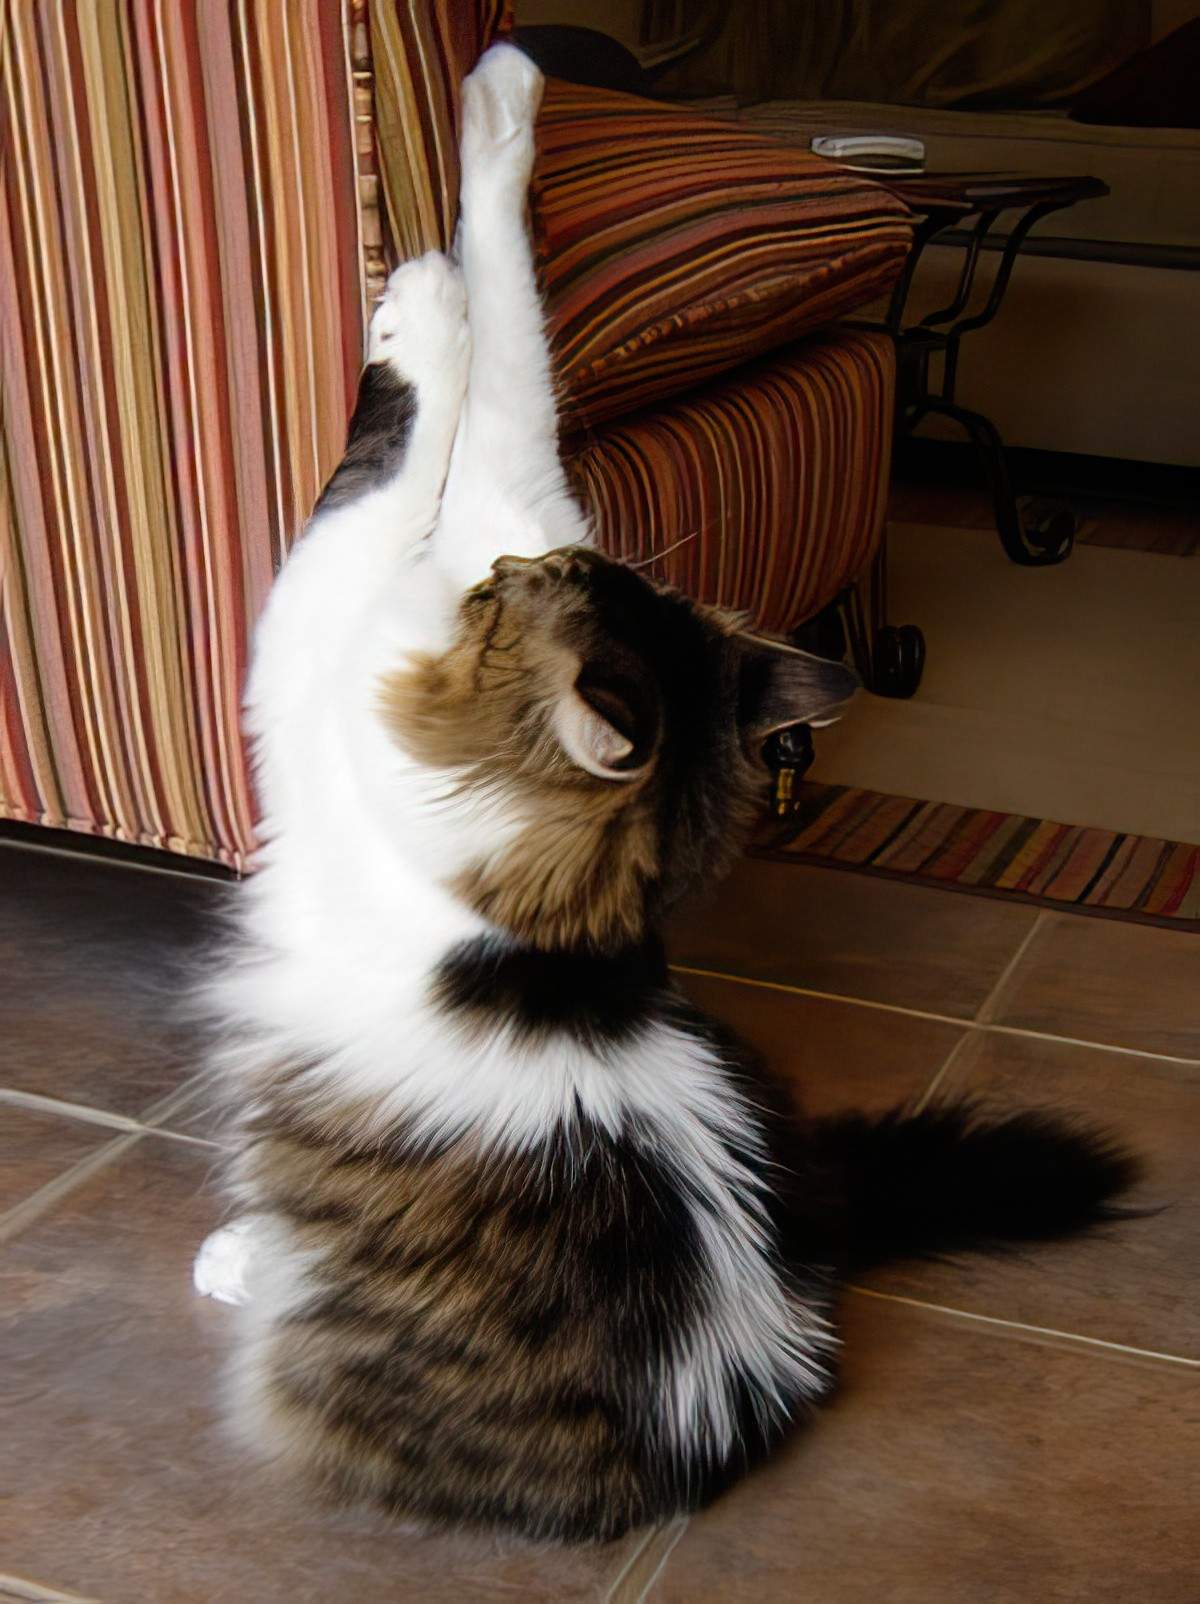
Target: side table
{"points": [[1039, 533]]}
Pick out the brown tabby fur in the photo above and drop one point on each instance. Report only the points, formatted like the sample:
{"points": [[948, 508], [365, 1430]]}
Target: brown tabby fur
{"points": [[405, 1328], [579, 872]]}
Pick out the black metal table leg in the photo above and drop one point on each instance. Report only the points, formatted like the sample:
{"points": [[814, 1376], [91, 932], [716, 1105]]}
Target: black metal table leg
{"points": [[1035, 536], [1033, 546]]}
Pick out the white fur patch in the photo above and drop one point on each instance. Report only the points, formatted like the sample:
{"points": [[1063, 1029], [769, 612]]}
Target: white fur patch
{"points": [[222, 1266]]}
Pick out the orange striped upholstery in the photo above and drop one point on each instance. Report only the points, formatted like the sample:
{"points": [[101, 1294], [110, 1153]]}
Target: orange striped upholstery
{"points": [[775, 479], [186, 218], [674, 246]]}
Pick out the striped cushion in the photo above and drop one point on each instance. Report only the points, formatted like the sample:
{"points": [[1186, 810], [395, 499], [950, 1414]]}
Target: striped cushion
{"points": [[186, 197], [673, 246], [776, 480]]}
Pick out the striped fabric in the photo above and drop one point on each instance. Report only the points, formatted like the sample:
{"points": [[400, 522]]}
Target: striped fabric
{"points": [[673, 246], [196, 202], [421, 51], [1036, 859], [188, 197], [775, 480]]}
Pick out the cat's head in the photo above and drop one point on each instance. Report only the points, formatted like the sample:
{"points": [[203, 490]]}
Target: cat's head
{"points": [[615, 726]]}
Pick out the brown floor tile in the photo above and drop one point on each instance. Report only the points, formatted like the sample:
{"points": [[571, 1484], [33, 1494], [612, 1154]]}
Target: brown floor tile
{"points": [[120, 1484], [835, 1055], [830, 930], [960, 1464], [1131, 1283], [35, 1147], [96, 957], [1110, 981]]}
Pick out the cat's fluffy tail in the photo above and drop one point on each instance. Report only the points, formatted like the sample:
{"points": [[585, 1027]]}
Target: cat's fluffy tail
{"points": [[951, 1177]]}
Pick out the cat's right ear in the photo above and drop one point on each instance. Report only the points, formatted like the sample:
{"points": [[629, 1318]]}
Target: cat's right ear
{"points": [[782, 686], [607, 725]]}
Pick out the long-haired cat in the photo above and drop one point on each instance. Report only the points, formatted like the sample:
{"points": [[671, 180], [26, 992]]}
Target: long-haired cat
{"points": [[526, 1242]]}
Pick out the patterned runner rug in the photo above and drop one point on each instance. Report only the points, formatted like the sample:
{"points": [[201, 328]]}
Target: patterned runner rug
{"points": [[973, 849]]}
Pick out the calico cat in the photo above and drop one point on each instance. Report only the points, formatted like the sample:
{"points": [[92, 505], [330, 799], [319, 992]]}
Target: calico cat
{"points": [[526, 1242]]}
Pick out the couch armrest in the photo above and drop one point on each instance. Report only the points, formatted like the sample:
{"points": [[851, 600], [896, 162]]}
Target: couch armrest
{"points": [[420, 54], [672, 247]]}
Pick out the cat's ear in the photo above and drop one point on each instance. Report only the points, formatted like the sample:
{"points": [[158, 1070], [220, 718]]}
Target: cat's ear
{"points": [[781, 686], [606, 725]]}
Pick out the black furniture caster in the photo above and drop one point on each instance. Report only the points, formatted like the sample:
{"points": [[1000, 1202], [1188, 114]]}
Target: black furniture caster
{"points": [[1050, 526], [897, 660]]}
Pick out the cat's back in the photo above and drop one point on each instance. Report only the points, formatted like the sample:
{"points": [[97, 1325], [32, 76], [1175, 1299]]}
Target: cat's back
{"points": [[567, 1318]]}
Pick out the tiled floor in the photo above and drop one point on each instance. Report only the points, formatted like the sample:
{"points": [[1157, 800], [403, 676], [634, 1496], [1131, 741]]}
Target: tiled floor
{"points": [[1022, 1429]]}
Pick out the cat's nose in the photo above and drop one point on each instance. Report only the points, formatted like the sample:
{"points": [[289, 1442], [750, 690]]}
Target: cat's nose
{"points": [[512, 565]]}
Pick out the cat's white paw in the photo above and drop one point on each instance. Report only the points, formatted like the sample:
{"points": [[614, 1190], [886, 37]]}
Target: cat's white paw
{"points": [[221, 1269], [500, 104], [420, 324]]}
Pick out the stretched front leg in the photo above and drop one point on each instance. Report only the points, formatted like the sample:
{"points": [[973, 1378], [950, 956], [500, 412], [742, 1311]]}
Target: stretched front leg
{"points": [[354, 588], [382, 501], [506, 493]]}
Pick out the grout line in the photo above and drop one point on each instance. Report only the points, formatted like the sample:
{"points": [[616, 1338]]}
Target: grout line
{"points": [[618, 1593], [983, 1014], [68, 1110], [20, 1587], [962, 1023], [86, 1114], [1096, 1046], [669, 1540], [940, 1074], [647, 1562], [29, 1208], [824, 996], [1023, 1325]]}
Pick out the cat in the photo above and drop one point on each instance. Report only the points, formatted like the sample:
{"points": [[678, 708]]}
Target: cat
{"points": [[526, 1242]]}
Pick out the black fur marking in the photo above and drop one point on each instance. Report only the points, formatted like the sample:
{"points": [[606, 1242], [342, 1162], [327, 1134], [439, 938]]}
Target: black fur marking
{"points": [[599, 1001], [377, 439]]}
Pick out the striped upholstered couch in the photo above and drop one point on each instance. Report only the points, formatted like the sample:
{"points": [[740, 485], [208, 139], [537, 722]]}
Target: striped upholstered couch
{"points": [[200, 201]]}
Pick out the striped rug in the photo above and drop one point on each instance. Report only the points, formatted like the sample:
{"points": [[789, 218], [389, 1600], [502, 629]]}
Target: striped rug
{"points": [[973, 849]]}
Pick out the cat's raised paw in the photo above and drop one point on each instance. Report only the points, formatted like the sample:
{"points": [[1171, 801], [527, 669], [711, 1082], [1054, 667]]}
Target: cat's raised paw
{"points": [[420, 323], [500, 104]]}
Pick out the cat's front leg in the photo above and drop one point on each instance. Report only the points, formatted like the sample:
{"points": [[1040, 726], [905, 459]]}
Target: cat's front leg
{"points": [[409, 397], [507, 493], [377, 509]]}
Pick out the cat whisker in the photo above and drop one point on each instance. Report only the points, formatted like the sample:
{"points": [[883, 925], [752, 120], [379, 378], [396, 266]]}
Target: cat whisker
{"points": [[654, 556]]}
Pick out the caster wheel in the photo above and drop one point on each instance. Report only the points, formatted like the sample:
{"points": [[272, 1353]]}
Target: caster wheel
{"points": [[1050, 526], [898, 661]]}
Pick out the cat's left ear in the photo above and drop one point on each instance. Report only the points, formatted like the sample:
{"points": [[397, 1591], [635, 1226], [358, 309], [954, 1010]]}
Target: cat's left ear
{"points": [[781, 686], [607, 724]]}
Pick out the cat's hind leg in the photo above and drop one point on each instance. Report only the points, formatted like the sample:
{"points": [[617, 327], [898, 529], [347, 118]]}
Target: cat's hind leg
{"points": [[221, 1269], [507, 492]]}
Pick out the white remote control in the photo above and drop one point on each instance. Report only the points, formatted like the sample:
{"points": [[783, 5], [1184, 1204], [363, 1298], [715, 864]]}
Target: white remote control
{"points": [[872, 152]]}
